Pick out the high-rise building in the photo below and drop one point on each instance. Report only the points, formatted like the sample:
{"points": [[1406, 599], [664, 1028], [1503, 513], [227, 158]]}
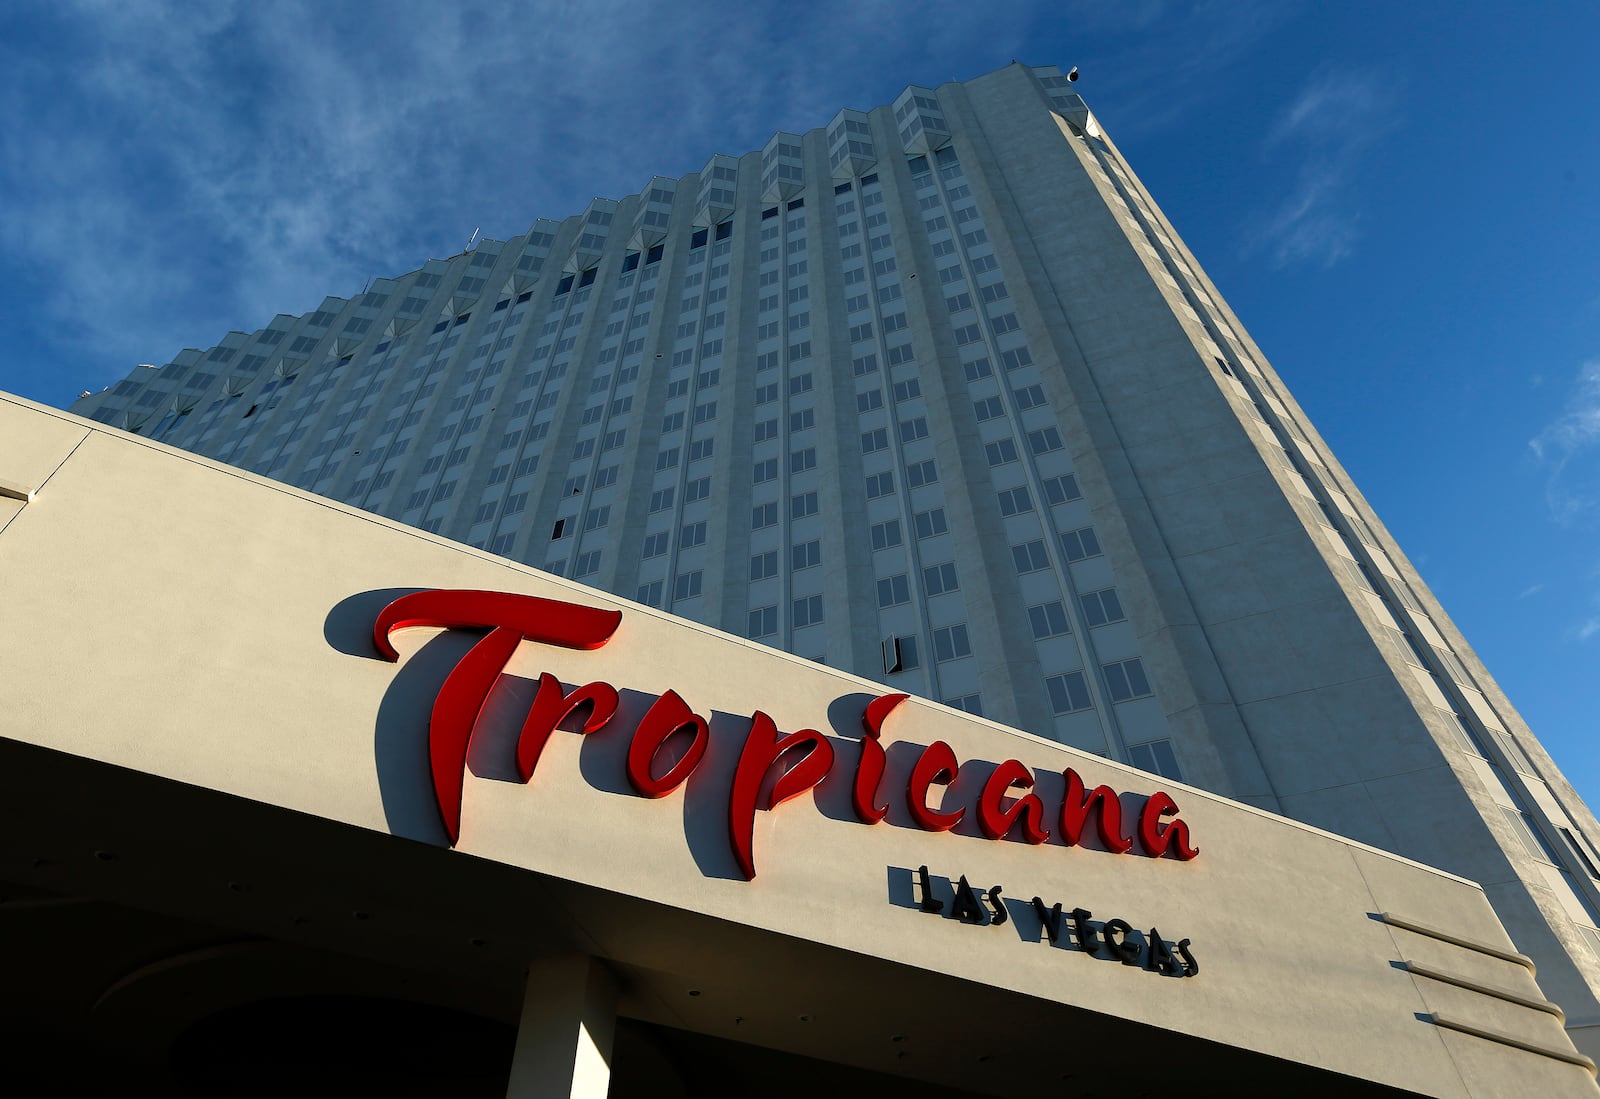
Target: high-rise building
{"points": [[936, 394]]}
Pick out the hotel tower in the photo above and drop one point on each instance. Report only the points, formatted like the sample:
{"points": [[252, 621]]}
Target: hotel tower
{"points": [[932, 393]]}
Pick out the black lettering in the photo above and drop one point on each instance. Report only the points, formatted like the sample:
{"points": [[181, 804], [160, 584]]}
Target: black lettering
{"points": [[1084, 932], [1160, 957], [1193, 967], [1117, 935], [966, 907], [929, 903], [1050, 918], [999, 909]]}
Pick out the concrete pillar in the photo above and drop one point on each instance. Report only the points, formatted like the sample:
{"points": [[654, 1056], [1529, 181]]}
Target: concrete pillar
{"points": [[569, 1015]]}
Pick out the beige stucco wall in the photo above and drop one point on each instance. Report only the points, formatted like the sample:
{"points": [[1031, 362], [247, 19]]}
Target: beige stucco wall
{"points": [[178, 617]]}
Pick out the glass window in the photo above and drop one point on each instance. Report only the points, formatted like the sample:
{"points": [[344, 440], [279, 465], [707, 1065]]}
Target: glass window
{"points": [[939, 579], [950, 643], [1048, 620], [1068, 693], [1079, 544], [1100, 607], [808, 610], [893, 591], [1125, 679]]}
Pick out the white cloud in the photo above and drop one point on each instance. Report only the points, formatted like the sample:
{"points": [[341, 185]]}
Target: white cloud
{"points": [[1324, 130], [201, 169], [1568, 448]]}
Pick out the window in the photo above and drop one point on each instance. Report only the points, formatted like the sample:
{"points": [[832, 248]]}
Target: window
{"points": [[803, 505], [914, 429], [692, 534], [800, 383], [1063, 489], [804, 418], [1100, 607], [972, 704], [673, 421], [656, 544], [1156, 757], [763, 565], [977, 368], [587, 563], [765, 470], [922, 473], [661, 499], [766, 393], [893, 591], [597, 517], [807, 611], [871, 442], [1030, 396], [802, 460], [900, 654], [1044, 440], [1015, 501], [950, 643], [1068, 693], [805, 555], [559, 530], [878, 484], [766, 429], [763, 622], [1016, 359], [1125, 679], [939, 579], [1030, 556], [705, 412], [687, 586], [866, 402], [1048, 620], [574, 485], [886, 535], [697, 489], [930, 523], [763, 515], [1001, 452], [988, 408], [701, 448], [1080, 543]]}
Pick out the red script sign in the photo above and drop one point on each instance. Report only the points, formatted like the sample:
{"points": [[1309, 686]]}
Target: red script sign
{"points": [[797, 761]]}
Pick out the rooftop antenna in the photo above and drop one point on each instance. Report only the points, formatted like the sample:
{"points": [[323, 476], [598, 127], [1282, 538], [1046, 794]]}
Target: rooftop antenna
{"points": [[473, 241]]}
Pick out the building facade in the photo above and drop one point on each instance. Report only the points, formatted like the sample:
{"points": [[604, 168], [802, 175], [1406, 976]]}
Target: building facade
{"points": [[934, 394]]}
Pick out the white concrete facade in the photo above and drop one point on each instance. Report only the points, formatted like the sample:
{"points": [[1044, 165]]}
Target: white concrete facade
{"points": [[935, 394]]}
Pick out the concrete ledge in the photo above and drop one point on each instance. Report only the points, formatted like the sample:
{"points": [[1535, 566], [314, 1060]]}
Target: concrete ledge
{"points": [[1507, 1040], [12, 491]]}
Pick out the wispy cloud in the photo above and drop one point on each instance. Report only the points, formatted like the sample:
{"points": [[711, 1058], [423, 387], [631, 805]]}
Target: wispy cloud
{"points": [[1568, 449], [172, 171], [1324, 133]]}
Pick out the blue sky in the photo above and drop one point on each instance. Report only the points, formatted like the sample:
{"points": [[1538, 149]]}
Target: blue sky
{"points": [[1400, 201]]}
